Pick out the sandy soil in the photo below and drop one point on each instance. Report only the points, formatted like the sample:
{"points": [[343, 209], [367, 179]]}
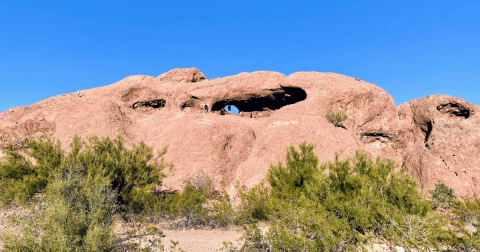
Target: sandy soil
{"points": [[188, 240], [201, 240]]}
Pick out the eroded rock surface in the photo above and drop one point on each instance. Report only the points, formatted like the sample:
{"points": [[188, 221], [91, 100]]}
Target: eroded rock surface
{"points": [[437, 138], [182, 75], [446, 134]]}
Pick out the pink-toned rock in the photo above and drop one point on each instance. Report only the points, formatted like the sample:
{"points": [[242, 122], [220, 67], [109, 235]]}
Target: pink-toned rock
{"points": [[437, 138], [183, 75], [446, 137]]}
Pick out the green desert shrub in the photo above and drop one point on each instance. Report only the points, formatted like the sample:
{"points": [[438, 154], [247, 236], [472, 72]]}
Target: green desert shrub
{"points": [[20, 179], [465, 235], [301, 229], [336, 117], [76, 215], [133, 172], [338, 205], [223, 213], [442, 196], [298, 174], [190, 205], [255, 204]]}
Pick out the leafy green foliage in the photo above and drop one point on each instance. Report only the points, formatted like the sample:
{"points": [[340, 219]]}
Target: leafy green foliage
{"points": [[133, 173], [256, 204], [336, 118], [335, 206], [77, 216], [223, 213], [20, 179], [190, 203], [442, 196], [466, 233], [338, 205], [292, 180]]}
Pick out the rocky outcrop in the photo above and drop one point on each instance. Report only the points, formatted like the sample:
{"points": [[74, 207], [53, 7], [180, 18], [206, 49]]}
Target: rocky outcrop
{"points": [[436, 138], [182, 75], [446, 136]]}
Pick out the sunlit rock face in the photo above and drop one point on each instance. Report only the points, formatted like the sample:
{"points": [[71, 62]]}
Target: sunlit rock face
{"points": [[436, 138]]}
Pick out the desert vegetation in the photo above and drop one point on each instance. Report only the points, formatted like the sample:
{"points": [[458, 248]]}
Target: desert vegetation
{"points": [[76, 199], [336, 117]]}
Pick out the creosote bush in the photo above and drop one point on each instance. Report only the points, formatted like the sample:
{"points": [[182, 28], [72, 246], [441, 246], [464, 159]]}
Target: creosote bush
{"points": [[336, 118]]}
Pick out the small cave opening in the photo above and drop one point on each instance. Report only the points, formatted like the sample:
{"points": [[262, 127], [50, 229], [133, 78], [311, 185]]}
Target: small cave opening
{"points": [[149, 104], [257, 103], [454, 109]]}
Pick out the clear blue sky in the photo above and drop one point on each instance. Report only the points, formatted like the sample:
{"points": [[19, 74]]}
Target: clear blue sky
{"points": [[409, 48]]}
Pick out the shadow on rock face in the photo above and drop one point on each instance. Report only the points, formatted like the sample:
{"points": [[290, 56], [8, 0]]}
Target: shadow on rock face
{"points": [[191, 103], [379, 139], [427, 132], [254, 102], [454, 109], [149, 104]]}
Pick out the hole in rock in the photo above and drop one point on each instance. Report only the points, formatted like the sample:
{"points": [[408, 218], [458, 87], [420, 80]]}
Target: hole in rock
{"points": [[454, 109], [254, 102], [150, 104], [231, 109]]}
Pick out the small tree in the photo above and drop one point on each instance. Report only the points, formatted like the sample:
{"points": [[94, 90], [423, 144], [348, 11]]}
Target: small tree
{"points": [[336, 118]]}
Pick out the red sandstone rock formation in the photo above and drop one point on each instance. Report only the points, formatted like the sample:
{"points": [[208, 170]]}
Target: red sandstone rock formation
{"points": [[437, 138], [183, 75]]}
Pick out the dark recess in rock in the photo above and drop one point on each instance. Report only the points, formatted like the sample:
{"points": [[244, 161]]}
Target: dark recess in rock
{"points": [[372, 137], [454, 109], [153, 104], [427, 132], [274, 101], [191, 103]]}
